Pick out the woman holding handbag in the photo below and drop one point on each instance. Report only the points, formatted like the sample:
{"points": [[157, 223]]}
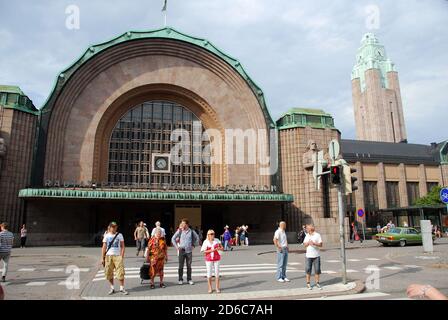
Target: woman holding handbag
{"points": [[212, 249]]}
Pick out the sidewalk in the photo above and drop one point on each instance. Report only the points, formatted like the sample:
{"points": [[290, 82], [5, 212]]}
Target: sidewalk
{"points": [[297, 293]]}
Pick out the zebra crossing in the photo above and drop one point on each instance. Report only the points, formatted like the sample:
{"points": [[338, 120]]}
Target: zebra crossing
{"points": [[200, 270], [32, 271], [225, 270]]}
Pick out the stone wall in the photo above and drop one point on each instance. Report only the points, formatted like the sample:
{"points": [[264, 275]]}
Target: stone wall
{"points": [[308, 206], [18, 129], [378, 111]]}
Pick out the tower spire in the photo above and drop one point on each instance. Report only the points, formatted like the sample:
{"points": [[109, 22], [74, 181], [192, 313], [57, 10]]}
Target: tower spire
{"points": [[164, 10], [376, 94]]}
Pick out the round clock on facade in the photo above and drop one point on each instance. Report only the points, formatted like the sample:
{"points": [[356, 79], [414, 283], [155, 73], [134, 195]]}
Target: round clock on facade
{"points": [[161, 164]]}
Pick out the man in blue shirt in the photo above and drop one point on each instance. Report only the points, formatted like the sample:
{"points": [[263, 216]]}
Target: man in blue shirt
{"points": [[184, 240]]}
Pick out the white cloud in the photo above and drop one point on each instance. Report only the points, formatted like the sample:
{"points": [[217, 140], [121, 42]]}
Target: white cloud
{"points": [[300, 52]]}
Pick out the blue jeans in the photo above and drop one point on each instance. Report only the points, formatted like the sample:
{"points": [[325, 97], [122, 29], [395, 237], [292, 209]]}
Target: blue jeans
{"points": [[226, 245], [282, 262]]}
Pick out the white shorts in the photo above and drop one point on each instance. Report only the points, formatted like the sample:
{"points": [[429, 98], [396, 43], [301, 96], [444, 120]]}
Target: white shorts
{"points": [[210, 265]]}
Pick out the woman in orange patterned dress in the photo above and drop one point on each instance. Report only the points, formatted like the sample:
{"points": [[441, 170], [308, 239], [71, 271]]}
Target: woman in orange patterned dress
{"points": [[157, 256]]}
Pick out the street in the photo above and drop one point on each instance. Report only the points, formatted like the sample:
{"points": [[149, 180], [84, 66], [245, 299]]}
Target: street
{"points": [[246, 273]]}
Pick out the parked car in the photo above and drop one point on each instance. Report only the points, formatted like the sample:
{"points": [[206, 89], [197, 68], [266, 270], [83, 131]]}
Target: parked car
{"points": [[400, 236]]}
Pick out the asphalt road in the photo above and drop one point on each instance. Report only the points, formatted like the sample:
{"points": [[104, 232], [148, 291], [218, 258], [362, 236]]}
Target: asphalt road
{"points": [[50, 273]]}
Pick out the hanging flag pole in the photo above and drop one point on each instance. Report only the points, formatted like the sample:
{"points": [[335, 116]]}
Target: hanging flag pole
{"points": [[164, 9]]}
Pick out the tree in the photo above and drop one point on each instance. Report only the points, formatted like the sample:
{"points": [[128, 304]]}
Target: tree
{"points": [[431, 199]]}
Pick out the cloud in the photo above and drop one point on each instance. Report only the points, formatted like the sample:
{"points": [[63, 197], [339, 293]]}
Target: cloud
{"points": [[300, 52]]}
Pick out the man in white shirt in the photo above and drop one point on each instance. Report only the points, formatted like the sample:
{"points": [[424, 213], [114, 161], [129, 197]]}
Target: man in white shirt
{"points": [[153, 232], [312, 243], [281, 243]]}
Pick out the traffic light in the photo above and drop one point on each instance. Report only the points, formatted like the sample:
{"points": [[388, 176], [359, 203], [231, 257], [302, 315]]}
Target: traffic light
{"points": [[335, 175], [349, 179]]}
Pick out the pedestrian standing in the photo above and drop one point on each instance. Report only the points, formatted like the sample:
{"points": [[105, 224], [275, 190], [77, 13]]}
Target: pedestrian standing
{"points": [[211, 248], [312, 243], [227, 236], [23, 235], [301, 235], [6, 242], [246, 235], [162, 230], [242, 236], [141, 234], [113, 257], [185, 240], [378, 228], [237, 236], [281, 244], [157, 255]]}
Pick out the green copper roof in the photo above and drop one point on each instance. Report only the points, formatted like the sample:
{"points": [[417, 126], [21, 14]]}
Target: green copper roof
{"points": [[372, 55], [11, 89], [444, 152], [153, 195], [305, 117], [12, 97], [165, 33]]}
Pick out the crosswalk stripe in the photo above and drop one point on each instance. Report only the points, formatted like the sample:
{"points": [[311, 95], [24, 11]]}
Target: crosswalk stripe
{"points": [[26, 269], [393, 268], [56, 270], [203, 268], [36, 283], [412, 266], [351, 271], [372, 268], [333, 261], [354, 260], [373, 259], [329, 272], [231, 273]]}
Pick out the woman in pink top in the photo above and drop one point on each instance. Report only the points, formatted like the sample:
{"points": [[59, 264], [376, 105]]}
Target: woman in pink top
{"points": [[211, 248]]}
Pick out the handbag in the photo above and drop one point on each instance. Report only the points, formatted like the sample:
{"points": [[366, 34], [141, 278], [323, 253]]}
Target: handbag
{"points": [[108, 248]]}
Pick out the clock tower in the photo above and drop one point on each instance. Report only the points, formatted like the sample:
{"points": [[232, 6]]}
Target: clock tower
{"points": [[376, 94]]}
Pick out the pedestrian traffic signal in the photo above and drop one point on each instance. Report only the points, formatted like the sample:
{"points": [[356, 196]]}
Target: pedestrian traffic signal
{"points": [[349, 179], [335, 175]]}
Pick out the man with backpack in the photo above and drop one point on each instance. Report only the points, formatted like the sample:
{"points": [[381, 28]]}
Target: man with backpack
{"points": [[113, 257], [185, 240]]}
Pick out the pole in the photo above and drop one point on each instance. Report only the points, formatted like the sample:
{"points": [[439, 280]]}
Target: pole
{"points": [[164, 17], [341, 205]]}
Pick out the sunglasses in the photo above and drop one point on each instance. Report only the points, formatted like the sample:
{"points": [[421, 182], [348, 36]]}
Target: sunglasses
{"points": [[211, 234]]}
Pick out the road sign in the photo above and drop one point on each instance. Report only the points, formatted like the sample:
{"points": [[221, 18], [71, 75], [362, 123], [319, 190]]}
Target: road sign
{"points": [[333, 149], [361, 213], [444, 195]]}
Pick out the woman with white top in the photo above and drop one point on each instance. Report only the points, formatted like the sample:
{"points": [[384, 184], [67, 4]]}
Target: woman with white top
{"points": [[211, 248]]}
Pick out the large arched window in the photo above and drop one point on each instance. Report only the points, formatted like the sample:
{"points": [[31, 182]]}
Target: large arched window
{"points": [[141, 140]]}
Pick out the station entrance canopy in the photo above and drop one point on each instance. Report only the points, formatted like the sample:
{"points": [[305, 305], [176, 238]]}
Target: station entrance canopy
{"points": [[181, 196]]}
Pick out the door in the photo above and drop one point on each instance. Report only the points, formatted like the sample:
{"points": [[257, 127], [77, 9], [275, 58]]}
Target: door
{"points": [[191, 212]]}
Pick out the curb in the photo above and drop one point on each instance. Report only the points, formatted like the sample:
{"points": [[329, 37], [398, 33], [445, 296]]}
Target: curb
{"points": [[359, 288]]}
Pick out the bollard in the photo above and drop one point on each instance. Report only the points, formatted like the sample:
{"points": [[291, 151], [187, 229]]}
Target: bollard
{"points": [[426, 235]]}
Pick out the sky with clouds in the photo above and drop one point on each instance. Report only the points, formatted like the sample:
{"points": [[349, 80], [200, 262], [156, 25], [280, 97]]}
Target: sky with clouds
{"points": [[299, 52]]}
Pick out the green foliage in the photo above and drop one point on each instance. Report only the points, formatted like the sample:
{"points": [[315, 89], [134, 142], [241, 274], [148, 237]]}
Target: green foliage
{"points": [[432, 198]]}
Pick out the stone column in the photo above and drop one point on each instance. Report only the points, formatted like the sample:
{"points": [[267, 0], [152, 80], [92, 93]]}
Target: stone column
{"points": [[359, 194], [423, 188], [404, 201], [382, 199]]}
